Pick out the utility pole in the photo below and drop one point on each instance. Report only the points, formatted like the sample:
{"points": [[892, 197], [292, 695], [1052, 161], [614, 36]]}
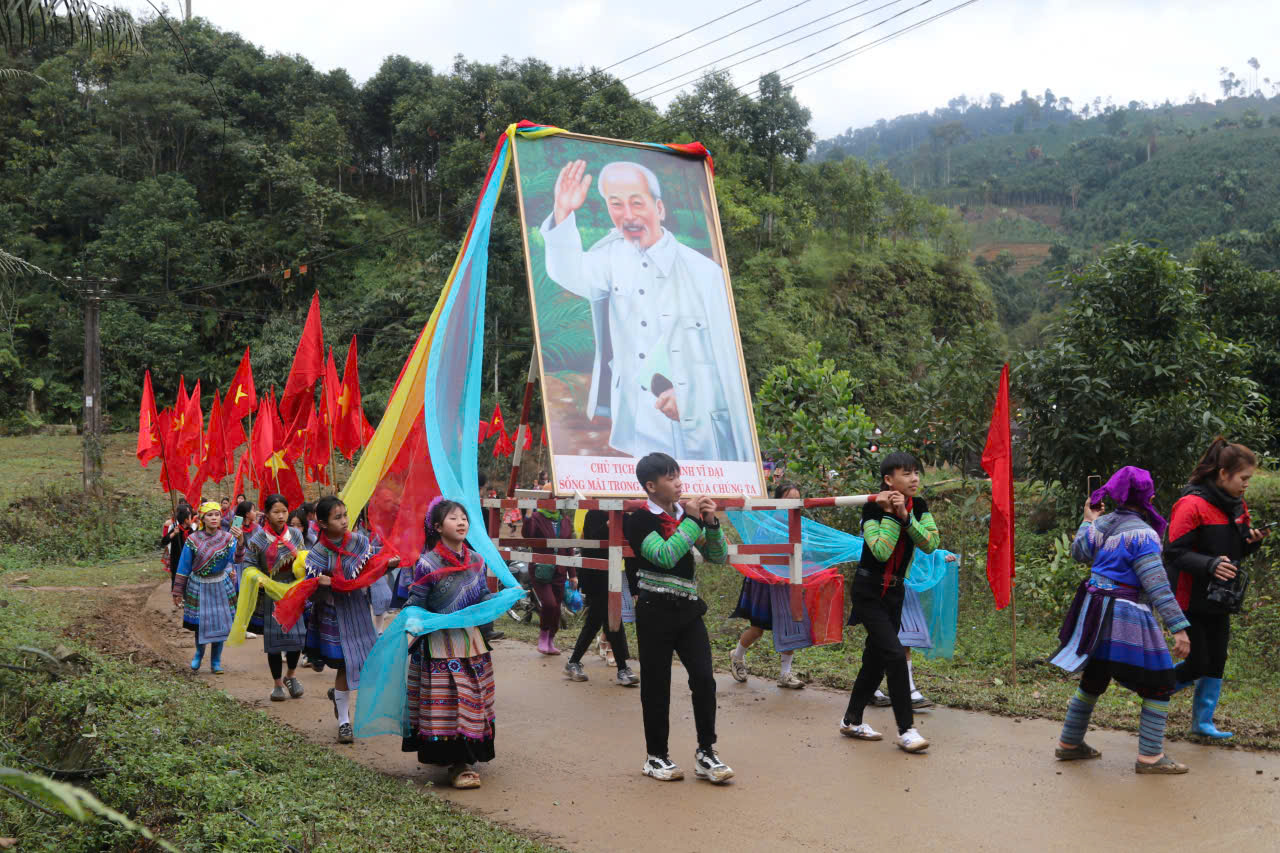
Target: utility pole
{"points": [[188, 16], [92, 291]]}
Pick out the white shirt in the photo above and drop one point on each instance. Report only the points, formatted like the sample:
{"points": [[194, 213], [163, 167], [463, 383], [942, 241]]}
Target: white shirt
{"points": [[669, 316]]}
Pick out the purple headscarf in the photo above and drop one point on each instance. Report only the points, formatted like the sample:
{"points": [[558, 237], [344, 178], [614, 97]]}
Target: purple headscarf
{"points": [[1132, 486]]}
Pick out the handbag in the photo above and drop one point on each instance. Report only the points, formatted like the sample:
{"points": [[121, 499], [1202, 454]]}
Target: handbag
{"points": [[1227, 597]]}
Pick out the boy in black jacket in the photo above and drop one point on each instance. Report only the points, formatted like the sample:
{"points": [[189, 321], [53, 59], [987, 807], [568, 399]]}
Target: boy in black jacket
{"points": [[669, 612], [893, 526]]}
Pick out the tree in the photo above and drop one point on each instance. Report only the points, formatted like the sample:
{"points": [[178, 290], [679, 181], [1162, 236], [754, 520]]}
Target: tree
{"points": [[24, 23], [810, 421], [950, 133], [1129, 380]]}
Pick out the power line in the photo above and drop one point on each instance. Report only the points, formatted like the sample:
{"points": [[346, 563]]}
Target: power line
{"points": [[682, 35], [811, 35], [734, 33], [714, 62], [836, 60]]}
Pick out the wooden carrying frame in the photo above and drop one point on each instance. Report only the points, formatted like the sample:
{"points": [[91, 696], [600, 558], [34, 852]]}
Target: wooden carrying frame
{"points": [[520, 549]]}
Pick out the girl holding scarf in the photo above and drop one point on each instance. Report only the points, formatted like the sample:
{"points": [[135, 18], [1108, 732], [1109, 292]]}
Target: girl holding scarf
{"points": [[1110, 631], [340, 633], [450, 682], [548, 579], [204, 586], [272, 549], [1210, 532]]}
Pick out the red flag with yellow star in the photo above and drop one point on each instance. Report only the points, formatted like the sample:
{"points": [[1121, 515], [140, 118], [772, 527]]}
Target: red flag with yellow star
{"points": [[214, 464], [350, 429], [241, 398], [149, 446]]}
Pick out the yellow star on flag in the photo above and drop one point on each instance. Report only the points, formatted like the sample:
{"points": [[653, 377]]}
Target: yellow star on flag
{"points": [[240, 392], [344, 401], [276, 462]]}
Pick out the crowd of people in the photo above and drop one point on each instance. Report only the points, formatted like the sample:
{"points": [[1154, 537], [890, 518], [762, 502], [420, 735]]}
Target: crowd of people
{"points": [[328, 579]]}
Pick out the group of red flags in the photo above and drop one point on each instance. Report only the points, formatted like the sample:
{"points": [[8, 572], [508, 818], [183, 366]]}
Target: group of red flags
{"points": [[281, 433], [506, 443]]}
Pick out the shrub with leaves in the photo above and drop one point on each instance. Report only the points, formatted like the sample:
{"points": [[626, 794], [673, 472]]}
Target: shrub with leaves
{"points": [[1133, 375]]}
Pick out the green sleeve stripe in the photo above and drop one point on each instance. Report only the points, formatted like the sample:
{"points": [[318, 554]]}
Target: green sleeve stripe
{"points": [[665, 553], [924, 532], [713, 547], [881, 536]]}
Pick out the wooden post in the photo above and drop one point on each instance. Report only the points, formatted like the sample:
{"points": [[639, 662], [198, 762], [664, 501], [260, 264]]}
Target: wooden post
{"points": [[615, 570], [1013, 622], [523, 429], [797, 565], [92, 291]]}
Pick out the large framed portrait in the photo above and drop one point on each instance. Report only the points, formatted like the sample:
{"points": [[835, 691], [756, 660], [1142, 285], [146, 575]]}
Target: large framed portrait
{"points": [[633, 316]]}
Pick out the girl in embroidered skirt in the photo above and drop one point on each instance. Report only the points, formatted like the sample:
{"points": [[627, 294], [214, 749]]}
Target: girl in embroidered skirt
{"points": [[272, 549], [755, 605], [1110, 631], [204, 586], [340, 630], [450, 682]]}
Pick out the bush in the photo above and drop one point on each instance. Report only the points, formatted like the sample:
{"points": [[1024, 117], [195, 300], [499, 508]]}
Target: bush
{"points": [[63, 525]]}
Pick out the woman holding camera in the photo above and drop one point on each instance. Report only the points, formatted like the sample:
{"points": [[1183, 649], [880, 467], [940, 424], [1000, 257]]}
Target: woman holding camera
{"points": [[1210, 532]]}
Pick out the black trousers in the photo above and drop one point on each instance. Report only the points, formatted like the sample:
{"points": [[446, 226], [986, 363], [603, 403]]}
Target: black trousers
{"points": [[1209, 633], [883, 656], [593, 620], [667, 625], [277, 665]]}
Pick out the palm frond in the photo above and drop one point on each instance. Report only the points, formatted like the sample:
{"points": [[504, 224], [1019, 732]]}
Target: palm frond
{"points": [[12, 266], [19, 74], [27, 23]]}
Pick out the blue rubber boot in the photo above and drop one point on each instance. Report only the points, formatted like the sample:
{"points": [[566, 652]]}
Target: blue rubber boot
{"points": [[199, 657], [1203, 705], [215, 661]]}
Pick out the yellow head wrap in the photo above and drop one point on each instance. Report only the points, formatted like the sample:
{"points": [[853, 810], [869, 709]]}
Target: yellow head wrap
{"points": [[209, 506]]}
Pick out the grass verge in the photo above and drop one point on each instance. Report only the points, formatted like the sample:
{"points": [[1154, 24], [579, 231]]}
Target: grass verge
{"points": [[192, 764]]}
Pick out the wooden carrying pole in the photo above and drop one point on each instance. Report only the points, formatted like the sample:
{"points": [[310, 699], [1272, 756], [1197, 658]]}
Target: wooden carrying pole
{"points": [[523, 430], [1013, 643]]}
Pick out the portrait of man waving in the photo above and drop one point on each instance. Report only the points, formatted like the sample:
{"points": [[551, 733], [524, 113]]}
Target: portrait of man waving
{"points": [[667, 370]]}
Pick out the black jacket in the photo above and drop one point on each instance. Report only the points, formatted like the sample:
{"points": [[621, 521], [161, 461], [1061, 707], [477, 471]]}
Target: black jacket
{"points": [[1206, 525]]}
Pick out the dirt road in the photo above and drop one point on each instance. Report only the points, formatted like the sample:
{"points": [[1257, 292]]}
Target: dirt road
{"points": [[569, 756]]}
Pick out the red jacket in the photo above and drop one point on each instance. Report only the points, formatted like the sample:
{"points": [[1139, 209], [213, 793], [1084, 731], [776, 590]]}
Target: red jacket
{"points": [[1206, 525]]}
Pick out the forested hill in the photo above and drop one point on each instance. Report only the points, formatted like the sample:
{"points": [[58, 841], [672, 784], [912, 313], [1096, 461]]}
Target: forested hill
{"points": [[1169, 173], [205, 175]]}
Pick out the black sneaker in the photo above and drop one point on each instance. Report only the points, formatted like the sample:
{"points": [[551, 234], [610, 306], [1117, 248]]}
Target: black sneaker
{"points": [[880, 700], [662, 768], [706, 765], [346, 734], [627, 678], [574, 671]]}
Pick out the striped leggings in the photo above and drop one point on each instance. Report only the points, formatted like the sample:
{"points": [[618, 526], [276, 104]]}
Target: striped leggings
{"points": [[1155, 711]]}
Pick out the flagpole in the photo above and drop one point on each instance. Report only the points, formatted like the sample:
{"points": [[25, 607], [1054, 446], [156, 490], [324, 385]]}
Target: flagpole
{"points": [[333, 459], [1013, 622]]}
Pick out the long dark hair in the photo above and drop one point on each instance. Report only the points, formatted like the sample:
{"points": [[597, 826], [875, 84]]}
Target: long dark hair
{"points": [[325, 506], [1225, 456], [242, 509], [782, 488], [437, 516]]}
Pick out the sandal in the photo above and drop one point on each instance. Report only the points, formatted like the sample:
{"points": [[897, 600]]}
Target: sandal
{"points": [[1166, 766], [1077, 753], [464, 779]]}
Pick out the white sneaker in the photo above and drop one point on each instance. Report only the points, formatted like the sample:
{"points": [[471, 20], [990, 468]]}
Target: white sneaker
{"points": [[662, 769], [738, 669], [706, 765], [912, 741], [861, 731]]}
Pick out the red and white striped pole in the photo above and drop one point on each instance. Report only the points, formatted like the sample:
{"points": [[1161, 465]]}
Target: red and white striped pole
{"points": [[524, 423]]}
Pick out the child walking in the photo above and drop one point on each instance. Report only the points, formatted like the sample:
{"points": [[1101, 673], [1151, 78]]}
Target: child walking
{"points": [[272, 549], [893, 527], [669, 613], [204, 586]]}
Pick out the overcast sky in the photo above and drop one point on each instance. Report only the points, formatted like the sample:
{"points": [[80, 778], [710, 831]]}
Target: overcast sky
{"points": [[1129, 49]]}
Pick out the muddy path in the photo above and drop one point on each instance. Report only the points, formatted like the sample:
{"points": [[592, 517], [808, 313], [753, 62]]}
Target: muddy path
{"points": [[569, 756]]}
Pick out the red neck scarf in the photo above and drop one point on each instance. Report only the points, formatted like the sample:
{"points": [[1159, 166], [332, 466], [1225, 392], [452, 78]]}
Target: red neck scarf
{"points": [[899, 552], [289, 609], [449, 562], [278, 539]]}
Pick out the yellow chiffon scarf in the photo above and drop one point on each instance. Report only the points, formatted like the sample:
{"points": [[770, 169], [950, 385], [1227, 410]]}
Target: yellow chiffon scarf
{"points": [[247, 603]]}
